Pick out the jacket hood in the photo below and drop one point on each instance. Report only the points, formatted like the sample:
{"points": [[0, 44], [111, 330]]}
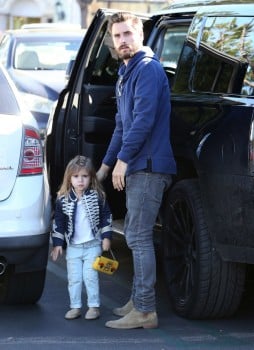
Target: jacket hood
{"points": [[145, 52]]}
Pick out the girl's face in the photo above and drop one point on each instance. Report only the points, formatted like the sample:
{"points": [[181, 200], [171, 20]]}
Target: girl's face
{"points": [[80, 181]]}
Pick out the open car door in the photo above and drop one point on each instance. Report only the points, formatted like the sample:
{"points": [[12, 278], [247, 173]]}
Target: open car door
{"points": [[84, 117]]}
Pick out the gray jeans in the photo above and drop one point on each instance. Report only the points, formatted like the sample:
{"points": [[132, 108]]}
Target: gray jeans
{"points": [[144, 192]]}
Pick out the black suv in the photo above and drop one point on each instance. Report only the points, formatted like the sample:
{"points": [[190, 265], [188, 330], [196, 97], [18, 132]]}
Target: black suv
{"points": [[207, 217]]}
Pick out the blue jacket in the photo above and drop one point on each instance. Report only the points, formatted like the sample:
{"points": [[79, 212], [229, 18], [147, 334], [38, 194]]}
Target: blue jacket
{"points": [[143, 115], [98, 212]]}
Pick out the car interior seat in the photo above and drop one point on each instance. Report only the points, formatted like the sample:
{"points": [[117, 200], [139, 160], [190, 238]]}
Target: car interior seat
{"points": [[28, 60]]}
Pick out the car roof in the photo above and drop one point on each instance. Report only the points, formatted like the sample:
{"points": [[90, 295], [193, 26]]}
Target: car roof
{"points": [[239, 9], [61, 26], [29, 33], [198, 3], [192, 6]]}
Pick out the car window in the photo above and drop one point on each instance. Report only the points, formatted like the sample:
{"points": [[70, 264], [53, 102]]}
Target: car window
{"points": [[172, 46], [248, 86], [224, 62], [8, 103], [50, 54], [103, 61], [168, 44]]}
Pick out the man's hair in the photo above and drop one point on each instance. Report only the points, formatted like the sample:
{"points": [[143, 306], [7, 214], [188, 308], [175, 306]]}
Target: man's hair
{"points": [[119, 17]]}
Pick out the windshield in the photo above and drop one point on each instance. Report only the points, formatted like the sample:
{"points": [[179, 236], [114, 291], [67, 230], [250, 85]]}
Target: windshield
{"points": [[46, 55]]}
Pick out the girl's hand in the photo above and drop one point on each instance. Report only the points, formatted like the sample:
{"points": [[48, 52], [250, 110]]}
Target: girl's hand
{"points": [[102, 173], [56, 251], [106, 243]]}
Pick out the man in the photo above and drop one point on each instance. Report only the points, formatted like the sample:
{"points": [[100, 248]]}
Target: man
{"points": [[140, 152]]}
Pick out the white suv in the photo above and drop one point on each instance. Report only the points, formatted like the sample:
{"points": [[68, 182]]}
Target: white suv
{"points": [[25, 206]]}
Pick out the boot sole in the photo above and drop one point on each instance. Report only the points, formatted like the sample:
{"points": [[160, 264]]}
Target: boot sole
{"points": [[145, 326], [72, 318], [92, 318], [150, 326]]}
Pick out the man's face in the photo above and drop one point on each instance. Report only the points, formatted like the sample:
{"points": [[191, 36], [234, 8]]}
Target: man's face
{"points": [[127, 40]]}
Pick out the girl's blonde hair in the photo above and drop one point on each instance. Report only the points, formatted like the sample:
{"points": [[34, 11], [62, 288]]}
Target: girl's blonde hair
{"points": [[74, 166]]}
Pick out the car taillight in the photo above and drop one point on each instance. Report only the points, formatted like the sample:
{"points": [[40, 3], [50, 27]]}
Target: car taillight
{"points": [[32, 158]]}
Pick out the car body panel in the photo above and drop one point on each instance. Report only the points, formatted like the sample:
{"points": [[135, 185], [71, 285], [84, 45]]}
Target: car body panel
{"points": [[44, 83], [25, 202], [11, 133], [26, 212]]}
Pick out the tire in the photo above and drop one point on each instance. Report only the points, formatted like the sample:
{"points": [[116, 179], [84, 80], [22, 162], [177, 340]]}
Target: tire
{"points": [[200, 284], [21, 288]]}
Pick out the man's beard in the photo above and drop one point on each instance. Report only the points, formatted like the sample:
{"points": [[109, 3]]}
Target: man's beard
{"points": [[126, 55]]}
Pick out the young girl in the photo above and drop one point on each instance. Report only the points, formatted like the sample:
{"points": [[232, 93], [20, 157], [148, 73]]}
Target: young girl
{"points": [[83, 219]]}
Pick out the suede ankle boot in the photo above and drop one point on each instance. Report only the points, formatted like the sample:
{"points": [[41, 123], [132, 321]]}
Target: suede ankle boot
{"points": [[124, 310], [135, 319]]}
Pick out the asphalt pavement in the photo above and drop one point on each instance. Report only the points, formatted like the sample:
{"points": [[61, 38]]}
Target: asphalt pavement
{"points": [[43, 326]]}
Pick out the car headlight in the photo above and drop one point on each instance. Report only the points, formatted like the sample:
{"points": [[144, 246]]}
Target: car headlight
{"points": [[37, 103]]}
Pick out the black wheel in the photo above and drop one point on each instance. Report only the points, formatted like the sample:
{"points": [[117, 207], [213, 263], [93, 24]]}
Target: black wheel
{"points": [[21, 288], [200, 284]]}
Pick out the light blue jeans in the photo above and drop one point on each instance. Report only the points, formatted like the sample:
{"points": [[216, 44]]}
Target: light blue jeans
{"points": [[80, 258], [144, 192]]}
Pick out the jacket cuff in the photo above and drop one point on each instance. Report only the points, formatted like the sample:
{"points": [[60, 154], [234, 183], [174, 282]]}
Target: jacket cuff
{"points": [[123, 157], [108, 161], [107, 234], [57, 242]]}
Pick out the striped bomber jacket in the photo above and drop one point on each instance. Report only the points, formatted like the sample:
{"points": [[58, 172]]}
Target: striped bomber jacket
{"points": [[96, 208]]}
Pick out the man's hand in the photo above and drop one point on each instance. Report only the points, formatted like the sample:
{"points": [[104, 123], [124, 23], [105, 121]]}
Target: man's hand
{"points": [[102, 173], [118, 175]]}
